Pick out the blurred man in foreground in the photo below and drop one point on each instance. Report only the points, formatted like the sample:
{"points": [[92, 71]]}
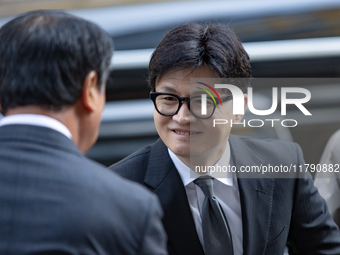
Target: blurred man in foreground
{"points": [[329, 183], [231, 213], [53, 200]]}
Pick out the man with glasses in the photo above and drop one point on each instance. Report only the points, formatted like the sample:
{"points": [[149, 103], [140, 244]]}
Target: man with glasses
{"points": [[227, 212]]}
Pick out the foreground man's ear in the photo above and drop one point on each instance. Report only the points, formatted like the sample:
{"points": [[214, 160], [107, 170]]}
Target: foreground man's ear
{"points": [[91, 92]]}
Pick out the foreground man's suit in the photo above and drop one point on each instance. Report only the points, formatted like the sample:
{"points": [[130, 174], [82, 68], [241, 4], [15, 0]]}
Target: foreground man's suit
{"points": [[274, 211], [53, 200]]}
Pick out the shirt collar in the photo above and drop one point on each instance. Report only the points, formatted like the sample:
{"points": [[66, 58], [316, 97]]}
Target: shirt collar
{"points": [[36, 120], [188, 175]]}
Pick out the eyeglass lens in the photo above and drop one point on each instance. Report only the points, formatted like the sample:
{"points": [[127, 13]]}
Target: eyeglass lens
{"points": [[167, 104]]}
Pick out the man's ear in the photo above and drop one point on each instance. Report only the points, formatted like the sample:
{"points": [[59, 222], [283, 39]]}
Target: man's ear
{"points": [[238, 117], [90, 92]]}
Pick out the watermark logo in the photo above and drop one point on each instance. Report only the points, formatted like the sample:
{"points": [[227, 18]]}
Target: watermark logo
{"points": [[238, 99], [207, 91]]}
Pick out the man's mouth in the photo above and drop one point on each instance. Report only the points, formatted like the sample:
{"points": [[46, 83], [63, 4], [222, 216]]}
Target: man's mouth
{"points": [[184, 132], [181, 132]]}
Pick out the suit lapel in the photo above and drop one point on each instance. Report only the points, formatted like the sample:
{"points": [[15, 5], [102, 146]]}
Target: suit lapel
{"points": [[164, 178], [256, 195]]}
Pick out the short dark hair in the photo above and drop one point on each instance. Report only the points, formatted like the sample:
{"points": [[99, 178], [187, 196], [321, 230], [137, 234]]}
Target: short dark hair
{"points": [[193, 46], [45, 57]]}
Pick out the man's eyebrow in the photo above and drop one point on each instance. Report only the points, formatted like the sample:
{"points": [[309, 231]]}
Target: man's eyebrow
{"points": [[168, 89]]}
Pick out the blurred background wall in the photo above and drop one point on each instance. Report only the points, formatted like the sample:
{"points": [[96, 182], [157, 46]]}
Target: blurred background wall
{"points": [[14, 7]]}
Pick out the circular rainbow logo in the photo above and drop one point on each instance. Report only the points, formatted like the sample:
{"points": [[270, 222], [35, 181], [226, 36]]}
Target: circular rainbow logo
{"points": [[208, 92]]}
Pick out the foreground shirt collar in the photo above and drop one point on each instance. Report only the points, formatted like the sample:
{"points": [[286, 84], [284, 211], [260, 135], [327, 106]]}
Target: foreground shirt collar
{"points": [[188, 175], [36, 120]]}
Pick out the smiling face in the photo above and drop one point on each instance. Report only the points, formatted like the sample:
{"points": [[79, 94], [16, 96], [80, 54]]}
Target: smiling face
{"points": [[184, 134]]}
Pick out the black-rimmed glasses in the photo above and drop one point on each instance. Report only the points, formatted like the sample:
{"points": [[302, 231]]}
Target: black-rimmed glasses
{"points": [[168, 104]]}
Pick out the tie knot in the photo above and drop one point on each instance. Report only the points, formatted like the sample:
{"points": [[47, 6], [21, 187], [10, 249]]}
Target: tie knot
{"points": [[206, 185]]}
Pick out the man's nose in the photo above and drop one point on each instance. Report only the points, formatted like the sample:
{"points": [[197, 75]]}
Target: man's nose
{"points": [[184, 116]]}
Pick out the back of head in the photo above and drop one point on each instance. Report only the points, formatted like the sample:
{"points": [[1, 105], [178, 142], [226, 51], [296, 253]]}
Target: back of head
{"points": [[191, 46], [45, 57]]}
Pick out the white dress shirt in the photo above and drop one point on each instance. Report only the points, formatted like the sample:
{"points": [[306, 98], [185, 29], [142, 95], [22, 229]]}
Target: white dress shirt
{"points": [[227, 192], [36, 120]]}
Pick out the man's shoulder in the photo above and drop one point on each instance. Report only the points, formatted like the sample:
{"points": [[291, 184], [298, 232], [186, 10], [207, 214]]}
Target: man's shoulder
{"points": [[268, 149], [103, 193], [114, 183], [56, 158], [135, 165], [135, 157], [90, 193], [266, 144]]}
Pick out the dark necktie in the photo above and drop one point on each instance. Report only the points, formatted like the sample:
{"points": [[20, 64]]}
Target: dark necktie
{"points": [[216, 232]]}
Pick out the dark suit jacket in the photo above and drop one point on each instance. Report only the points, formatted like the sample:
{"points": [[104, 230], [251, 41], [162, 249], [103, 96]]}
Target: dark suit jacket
{"points": [[275, 212], [53, 200]]}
